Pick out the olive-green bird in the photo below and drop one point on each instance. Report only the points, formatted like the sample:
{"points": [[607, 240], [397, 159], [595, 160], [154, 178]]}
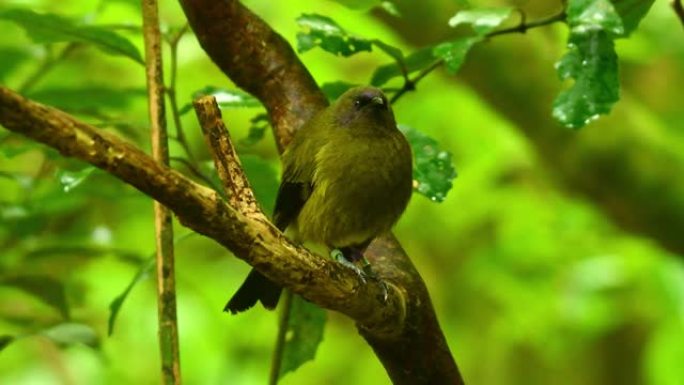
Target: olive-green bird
{"points": [[347, 177]]}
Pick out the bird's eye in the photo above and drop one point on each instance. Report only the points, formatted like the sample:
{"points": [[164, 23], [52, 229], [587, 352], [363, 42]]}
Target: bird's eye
{"points": [[357, 103]]}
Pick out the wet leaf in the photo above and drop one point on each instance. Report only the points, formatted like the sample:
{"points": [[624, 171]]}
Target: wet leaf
{"points": [[631, 12], [72, 179], [433, 171], [454, 53], [225, 98], [481, 20], [324, 32], [304, 334], [586, 16], [592, 62], [52, 28]]}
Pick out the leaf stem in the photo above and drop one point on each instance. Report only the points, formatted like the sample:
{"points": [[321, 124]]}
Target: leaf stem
{"points": [[522, 27], [277, 360]]}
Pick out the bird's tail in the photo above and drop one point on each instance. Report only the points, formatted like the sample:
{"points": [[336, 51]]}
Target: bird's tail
{"points": [[255, 288]]}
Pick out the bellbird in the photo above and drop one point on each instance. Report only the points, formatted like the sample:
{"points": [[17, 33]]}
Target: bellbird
{"points": [[347, 177]]}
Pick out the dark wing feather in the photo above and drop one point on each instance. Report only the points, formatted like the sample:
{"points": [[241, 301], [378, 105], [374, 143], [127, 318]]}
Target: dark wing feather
{"points": [[289, 202]]}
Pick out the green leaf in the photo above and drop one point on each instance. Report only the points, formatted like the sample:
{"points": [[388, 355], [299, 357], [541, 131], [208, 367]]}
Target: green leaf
{"points": [[433, 171], [390, 8], [225, 98], [11, 59], [414, 62], [257, 128], [45, 288], [324, 32], [586, 16], [114, 306], [334, 90], [592, 62], [51, 28], [481, 20], [359, 5], [87, 98], [72, 179], [72, 333], [304, 333], [5, 340], [631, 12], [454, 52]]}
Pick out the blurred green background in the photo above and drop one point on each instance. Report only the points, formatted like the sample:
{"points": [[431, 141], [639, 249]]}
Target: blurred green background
{"points": [[557, 258]]}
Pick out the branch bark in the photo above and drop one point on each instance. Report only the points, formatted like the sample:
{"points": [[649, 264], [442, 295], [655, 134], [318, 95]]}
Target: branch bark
{"points": [[163, 221], [230, 34]]}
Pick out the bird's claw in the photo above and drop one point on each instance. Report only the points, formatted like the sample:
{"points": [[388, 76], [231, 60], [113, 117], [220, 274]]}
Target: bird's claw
{"points": [[364, 272], [339, 257]]}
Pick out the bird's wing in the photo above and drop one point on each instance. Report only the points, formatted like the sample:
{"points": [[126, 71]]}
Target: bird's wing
{"points": [[296, 184]]}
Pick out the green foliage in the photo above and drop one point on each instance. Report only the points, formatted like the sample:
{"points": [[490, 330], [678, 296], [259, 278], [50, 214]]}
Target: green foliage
{"points": [[361, 5], [51, 28], [47, 289], [416, 61], [324, 32], [115, 306], [304, 334], [72, 333], [481, 20], [225, 98], [432, 167], [454, 53], [257, 129], [334, 90]]}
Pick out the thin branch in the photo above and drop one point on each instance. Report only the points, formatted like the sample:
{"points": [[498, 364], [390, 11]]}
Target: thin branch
{"points": [[277, 361], [522, 27], [235, 182], [166, 278], [678, 9]]}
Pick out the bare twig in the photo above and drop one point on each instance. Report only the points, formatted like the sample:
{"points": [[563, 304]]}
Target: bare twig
{"points": [[277, 360], [522, 27], [678, 9], [235, 183], [166, 278]]}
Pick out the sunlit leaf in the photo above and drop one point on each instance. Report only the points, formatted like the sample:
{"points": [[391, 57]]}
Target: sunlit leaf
{"points": [[72, 179], [482, 20], [304, 334], [433, 171], [324, 32], [47, 289], [72, 333], [586, 16], [416, 61], [390, 8], [454, 53], [115, 306], [52, 28], [334, 90], [225, 98], [592, 62], [631, 12]]}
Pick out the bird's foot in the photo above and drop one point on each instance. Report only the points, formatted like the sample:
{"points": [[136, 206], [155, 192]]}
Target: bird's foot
{"points": [[337, 255]]}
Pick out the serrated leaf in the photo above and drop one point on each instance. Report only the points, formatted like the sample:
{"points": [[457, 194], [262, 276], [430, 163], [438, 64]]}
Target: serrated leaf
{"points": [[115, 306], [324, 32], [225, 98], [454, 53], [584, 16], [47, 289], [304, 333], [631, 12], [52, 28], [72, 333], [72, 179], [481, 20], [433, 171], [334, 90], [592, 62], [5, 340], [414, 62]]}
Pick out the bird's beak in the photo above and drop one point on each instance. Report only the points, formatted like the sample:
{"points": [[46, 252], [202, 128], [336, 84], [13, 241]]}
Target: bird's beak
{"points": [[378, 100]]}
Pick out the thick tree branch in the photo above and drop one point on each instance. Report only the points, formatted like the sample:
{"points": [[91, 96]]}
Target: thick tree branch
{"points": [[259, 60], [201, 209]]}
